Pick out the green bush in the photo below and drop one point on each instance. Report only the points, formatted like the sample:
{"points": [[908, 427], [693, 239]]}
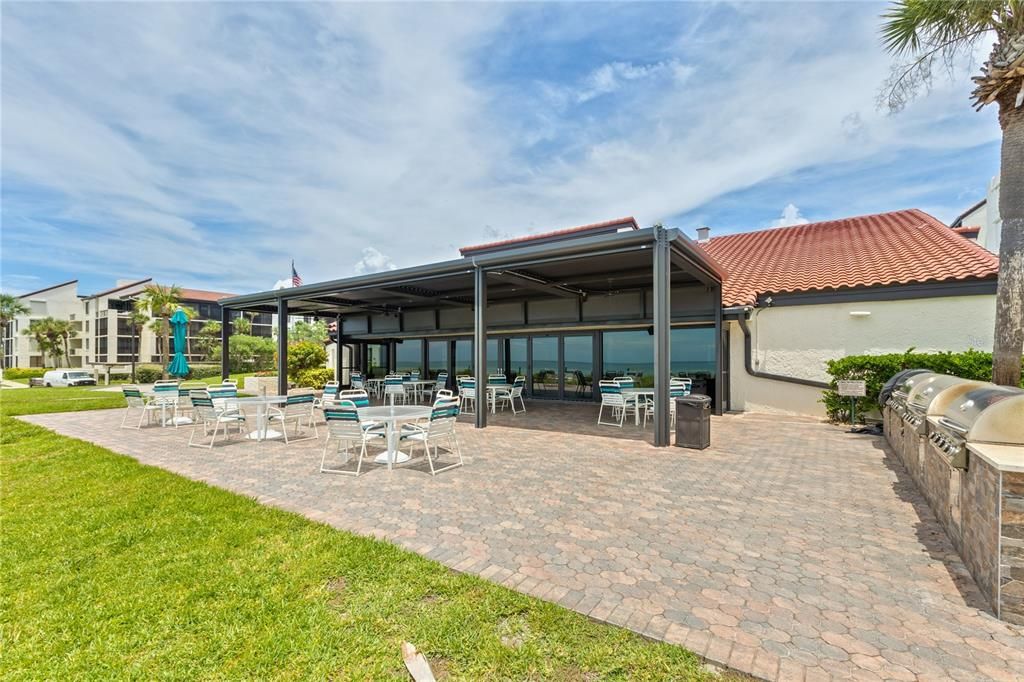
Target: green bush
{"points": [[305, 355], [247, 354], [147, 374], [204, 371], [15, 373], [314, 378], [875, 370]]}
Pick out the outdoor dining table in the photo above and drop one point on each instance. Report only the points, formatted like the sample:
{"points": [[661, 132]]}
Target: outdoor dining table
{"points": [[166, 403], [419, 385], [262, 402], [494, 388], [393, 416], [637, 394]]}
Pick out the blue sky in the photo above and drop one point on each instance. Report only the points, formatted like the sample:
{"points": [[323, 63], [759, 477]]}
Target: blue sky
{"points": [[210, 144]]}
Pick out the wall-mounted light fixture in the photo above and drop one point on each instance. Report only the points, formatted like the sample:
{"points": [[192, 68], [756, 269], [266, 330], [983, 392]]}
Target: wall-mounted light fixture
{"points": [[860, 313]]}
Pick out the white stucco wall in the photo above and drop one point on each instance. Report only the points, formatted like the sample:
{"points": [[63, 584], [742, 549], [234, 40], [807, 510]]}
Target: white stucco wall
{"points": [[798, 340]]}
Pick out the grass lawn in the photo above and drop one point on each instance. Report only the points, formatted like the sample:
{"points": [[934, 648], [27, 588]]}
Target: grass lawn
{"points": [[112, 569]]}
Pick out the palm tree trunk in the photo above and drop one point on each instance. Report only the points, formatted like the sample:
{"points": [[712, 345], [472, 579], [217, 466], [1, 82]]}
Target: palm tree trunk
{"points": [[1009, 331], [167, 345], [67, 349]]}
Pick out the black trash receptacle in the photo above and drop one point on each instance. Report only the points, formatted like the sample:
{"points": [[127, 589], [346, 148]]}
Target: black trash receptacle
{"points": [[693, 421]]}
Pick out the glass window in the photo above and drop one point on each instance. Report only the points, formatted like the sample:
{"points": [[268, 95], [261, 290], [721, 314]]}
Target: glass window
{"points": [[437, 357], [376, 360], [544, 380], [578, 359], [515, 354], [463, 357], [409, 356], [494, 366], [629, 354], [693, 352]]}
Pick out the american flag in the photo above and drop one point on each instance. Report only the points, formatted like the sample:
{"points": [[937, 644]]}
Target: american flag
{"points": [[296, 280]]}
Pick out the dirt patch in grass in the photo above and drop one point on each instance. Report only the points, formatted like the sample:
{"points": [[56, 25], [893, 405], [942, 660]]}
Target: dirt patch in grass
{"points": [[513, 631]]}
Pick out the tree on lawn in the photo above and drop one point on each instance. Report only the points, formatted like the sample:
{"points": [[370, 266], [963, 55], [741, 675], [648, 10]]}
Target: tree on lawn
{"points": [[10, 308], [61, 332], [160, 302], [935, 32], [41, 331], [242, 325], [137, 320], [208, 338]]}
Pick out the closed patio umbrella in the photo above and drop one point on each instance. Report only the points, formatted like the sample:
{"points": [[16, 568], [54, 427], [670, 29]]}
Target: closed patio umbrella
{"points": [[179, 325]]}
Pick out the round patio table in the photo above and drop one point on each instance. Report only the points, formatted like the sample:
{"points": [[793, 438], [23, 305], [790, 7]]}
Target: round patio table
{"points": [[392, 416], [262, 402], [492, 390], [420, 385], [637, 394]]}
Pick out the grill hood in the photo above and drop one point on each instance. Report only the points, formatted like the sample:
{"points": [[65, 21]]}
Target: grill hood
{"points": [[928, 389], [990, 414]]}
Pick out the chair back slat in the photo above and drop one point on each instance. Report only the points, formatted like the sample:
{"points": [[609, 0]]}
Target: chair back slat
{"points": [[343, 420], [625, 382]]}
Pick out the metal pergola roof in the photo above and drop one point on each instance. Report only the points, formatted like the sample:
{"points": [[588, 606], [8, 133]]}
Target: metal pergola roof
{"points": [[575, 267]]}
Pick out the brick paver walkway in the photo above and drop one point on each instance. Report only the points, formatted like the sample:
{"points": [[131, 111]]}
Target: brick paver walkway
{"points": [[789, 550]]}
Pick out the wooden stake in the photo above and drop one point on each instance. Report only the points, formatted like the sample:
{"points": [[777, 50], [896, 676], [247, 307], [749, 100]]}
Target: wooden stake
{"points": [[417, 664]]}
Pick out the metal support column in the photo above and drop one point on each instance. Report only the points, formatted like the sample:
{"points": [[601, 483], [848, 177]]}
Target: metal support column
{"points": [[339, 351], [661, 290], [720, 388], [225, 342], [282, 346], [480, 344]]}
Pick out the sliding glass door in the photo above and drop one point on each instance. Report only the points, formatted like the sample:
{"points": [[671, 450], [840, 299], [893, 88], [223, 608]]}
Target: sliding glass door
{"points": [[578, 367], [516, 358], [544, 371]]}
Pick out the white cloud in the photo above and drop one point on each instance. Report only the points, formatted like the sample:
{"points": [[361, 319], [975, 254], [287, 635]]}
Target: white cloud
{"points": [[282, 284], [196, 143], [373, 261], [790, 216], [610, 77]]}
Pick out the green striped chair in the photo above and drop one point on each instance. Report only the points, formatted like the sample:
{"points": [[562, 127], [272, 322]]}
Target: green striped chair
{"points": [[441, 427], [299, 408], [346, 429], [208, 414], [137, 401]]}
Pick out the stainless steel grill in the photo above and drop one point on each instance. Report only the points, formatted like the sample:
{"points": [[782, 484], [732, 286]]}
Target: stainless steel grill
{"points": [[895, 391], [987, 414], [929, 393]]}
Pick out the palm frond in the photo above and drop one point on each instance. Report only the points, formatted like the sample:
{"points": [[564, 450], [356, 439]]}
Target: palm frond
{"points": [[911, 26]]}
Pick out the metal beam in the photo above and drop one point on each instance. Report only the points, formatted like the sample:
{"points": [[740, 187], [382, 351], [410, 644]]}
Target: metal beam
{"points": [[480, 345], [662, 337], [529, 281], [339, 354], [225, 343], [719, 357], [282, 346]]}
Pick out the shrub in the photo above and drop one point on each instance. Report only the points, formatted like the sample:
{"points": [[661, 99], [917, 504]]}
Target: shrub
{"points": [[14, 373], [875, 370], [305, 355], [204, 371], [247, 354], [314, 378], [147, 374]]}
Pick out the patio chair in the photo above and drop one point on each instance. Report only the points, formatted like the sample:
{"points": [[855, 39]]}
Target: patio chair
{"points": [[440, 384], [299, 408], [467, 395], [136, 401], [612, 398], [224, 397], [583, 384], [497, 379], [345, 426], [165, 398], [625, 381], [441, 427], [229, 382], [510, 395], [356, 380], [208, 414], [358, 398], [677, 388], [185, 400], [394, 388], [443, 393], [331, 389]]}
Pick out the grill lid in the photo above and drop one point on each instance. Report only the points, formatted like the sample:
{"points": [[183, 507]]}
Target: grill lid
{"points": [[899, 385], [929, 388], [990, 414]]}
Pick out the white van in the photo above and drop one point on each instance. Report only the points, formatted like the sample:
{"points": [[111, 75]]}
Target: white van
{"points": [[68, 377]]}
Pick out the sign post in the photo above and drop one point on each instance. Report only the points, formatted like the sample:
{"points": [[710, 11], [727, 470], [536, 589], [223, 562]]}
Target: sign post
{"points": [[854, 388]]}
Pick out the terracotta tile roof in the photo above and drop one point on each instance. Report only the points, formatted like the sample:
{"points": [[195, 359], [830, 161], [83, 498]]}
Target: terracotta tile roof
{"points": [[582, 230], [901, 247], [201, 295], [965, 231]]}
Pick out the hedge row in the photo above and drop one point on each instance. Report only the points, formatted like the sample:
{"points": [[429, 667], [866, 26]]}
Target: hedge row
{"points": [[875, 370]]}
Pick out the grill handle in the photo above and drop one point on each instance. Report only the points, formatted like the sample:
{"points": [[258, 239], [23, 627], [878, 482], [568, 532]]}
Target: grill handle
{"points": [[952, 426]]}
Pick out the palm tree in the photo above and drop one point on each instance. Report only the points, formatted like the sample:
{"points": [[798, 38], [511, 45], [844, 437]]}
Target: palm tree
{"points": [[931, 29], [161, 302], [41, 331], [10, 308], [61, 333], [242, 325], [137, 319]]}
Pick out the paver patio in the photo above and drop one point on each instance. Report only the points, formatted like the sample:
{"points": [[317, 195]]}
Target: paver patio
{"points": [[789, 550]]}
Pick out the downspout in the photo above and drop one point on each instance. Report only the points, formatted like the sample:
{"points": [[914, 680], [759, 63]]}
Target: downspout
{"points": [[748, 363]]}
